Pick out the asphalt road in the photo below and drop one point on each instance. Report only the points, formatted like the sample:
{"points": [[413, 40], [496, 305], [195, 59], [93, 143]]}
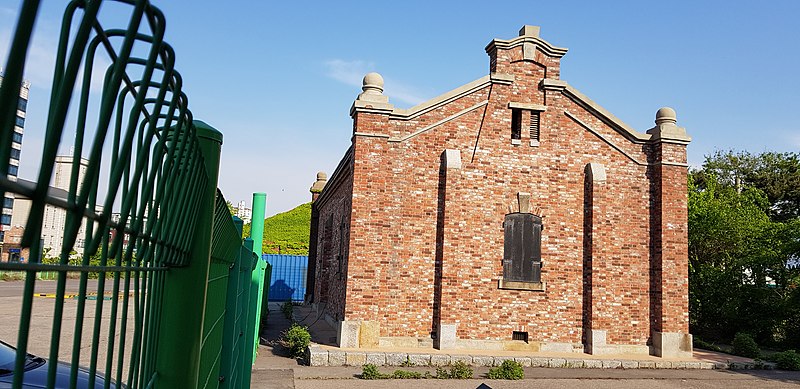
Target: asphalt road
{"points": [[15, 288]]}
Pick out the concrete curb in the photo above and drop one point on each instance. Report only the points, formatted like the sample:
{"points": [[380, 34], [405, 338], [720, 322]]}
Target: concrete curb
{"points": [[318, 356]]}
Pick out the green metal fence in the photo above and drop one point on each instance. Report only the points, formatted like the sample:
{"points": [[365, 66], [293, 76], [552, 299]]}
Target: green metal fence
{"points": [[144, 217]]}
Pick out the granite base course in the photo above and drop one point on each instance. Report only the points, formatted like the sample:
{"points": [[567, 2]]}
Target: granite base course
{"points": [[318, 356]]}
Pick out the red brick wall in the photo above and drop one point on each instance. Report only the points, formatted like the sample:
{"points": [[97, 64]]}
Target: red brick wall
{"points": [[399, 230], [333, 213]]}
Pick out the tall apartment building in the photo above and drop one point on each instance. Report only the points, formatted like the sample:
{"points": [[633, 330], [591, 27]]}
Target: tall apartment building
{"points": [[16, 147], [54, 218], [244, 213]]}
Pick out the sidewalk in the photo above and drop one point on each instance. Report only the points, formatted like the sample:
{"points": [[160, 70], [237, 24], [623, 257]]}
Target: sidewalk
{"points": [[274, 369]]}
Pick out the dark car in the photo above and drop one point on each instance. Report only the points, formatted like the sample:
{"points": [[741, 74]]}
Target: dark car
{"points": [[36, 372]]}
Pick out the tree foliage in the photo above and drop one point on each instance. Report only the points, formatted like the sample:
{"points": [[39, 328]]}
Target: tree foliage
{"points": [[743, 249]]}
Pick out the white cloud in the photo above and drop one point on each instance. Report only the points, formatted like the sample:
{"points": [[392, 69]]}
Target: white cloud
{"points": [[352, 72], [348, 72]]}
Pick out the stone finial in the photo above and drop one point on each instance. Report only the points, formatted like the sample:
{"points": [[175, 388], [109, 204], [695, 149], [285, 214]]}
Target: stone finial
{"points": [[527, 30], [666, 115], [667, 128], [318, 185], [372, 87]]}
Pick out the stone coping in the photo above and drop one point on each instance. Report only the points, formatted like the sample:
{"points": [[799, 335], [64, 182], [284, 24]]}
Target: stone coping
{"points": [[320, 356]]}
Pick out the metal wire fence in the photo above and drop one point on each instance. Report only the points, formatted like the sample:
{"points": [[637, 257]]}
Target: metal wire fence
{"points": [[140, 209]]}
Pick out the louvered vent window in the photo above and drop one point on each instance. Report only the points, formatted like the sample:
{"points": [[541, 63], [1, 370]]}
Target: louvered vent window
{"points": [[534, 128]]}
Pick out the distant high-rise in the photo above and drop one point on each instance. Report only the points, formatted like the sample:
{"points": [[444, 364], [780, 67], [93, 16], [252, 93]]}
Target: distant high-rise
{"points": [[244, 213], [16, 149]]}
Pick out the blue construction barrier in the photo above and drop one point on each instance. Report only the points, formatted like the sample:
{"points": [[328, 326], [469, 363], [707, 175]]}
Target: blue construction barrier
{"points": [[288, 276]]}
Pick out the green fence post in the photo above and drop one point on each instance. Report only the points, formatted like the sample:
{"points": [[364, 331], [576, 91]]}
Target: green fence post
{"points": [[181, 324], [257, 285], [245, 344]]}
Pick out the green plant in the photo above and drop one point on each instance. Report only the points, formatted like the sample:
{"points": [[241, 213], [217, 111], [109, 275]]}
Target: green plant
{"points": [[787, 360], [745, 345], [287, 308], [296, 338], [509, 370], [370, 372], [458, 371], [405, 375]]}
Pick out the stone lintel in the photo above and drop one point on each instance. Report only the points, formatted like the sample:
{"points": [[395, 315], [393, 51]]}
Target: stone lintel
{"points": [[452, 159], [596, 172], [524, 200], [528, 106]]}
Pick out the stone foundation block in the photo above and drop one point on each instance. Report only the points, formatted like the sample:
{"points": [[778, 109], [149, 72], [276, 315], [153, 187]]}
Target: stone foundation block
{"points": [[663, 365], [445, 337], [441, 360], [355, 359], [593, 364], [647, 365], [317, 356], [377, 359], [463, 358], [369, 336], [420, 359], [672, 344], [348, 334], [540, 362], [693, 365], [499, 360], [611, 364], [524, 361], [630, 364], [396, 359], [482, 360], [557, 362], [336, 358], [574, 364]]}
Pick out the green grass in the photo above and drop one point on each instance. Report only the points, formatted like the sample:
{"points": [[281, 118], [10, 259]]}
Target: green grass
{"points": [[287, 232]]}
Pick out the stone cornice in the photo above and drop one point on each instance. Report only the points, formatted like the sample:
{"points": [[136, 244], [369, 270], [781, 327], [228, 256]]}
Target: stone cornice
{"points": [[543, 45]]}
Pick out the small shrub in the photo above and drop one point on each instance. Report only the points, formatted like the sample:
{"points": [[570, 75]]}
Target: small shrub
{"points": [[787, 360], [370, 372], [405, 375], [458, 371], [744, 345], [509, 370], [287, 308], [296, 338]]}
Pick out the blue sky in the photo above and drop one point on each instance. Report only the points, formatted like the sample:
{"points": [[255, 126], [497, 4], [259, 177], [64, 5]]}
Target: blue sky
{"points": [[278, 78]]}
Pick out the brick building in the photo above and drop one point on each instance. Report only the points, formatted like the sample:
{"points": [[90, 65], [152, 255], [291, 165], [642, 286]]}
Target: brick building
{"points": [[510, 213]]}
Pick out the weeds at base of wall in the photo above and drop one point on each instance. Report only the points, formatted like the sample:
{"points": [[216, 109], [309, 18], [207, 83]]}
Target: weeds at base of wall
{"points": [[509, 370], [296, 338], [459, 371]]}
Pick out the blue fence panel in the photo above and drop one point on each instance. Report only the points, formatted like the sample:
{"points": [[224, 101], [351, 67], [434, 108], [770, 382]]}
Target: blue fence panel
{"points": [[288, 276]]}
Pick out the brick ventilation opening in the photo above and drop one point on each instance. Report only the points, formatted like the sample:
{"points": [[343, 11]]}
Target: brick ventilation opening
{"points": [[534, 127], [519, 335]]}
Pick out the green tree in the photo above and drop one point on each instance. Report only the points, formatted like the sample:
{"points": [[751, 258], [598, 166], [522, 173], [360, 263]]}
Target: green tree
{"points": [[742, 264], [776, 174]]}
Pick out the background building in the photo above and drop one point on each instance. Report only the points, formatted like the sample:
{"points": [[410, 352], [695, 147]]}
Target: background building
{"points": [[13, 168]]}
